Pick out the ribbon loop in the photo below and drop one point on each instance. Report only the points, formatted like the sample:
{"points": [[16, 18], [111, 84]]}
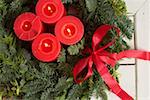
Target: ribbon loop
{"points": [[80, 66], [99, 35]]}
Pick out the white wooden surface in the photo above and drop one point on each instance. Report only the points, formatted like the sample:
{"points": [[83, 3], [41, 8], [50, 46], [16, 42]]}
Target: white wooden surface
{"points": [[143, 43], [134, 5]]}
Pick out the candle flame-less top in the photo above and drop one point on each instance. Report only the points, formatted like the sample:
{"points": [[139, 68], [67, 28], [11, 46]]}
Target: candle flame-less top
{"points": [[27, 26], [69, 30], [50, 11]]}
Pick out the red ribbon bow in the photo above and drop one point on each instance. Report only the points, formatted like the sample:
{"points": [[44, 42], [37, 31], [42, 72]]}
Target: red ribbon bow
{"points": [[101, 58]]}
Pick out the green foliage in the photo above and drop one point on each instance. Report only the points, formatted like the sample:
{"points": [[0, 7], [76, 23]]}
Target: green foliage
{"points": [[45, 78], [69, 1], [119, 6], [91, 5], [2, 8], [62, 56], [23, 77], [75, 49]]}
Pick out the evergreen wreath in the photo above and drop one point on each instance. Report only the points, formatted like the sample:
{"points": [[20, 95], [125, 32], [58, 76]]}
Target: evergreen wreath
{"points": [[24, 77]]}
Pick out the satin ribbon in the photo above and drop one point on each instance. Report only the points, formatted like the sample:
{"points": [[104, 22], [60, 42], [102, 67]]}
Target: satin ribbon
{"points": [[101, 58]]}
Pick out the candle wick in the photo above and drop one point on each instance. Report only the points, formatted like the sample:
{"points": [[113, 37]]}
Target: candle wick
{"points": [[50, 9], [46, 45], [69, 31], [26, 25]]}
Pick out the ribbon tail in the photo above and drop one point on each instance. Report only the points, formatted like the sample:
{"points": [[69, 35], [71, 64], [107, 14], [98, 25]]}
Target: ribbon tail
{"points": [[132, 54], [110, 81]]}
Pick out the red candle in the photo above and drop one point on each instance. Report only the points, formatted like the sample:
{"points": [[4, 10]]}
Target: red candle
{"points": [[27, 26], [46, 47], [50, 11], [69, 30]]}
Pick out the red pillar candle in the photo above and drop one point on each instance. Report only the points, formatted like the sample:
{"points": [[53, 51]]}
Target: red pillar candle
{"points": [[50, 11], [69, 30], [46, 47], [27, 26]]}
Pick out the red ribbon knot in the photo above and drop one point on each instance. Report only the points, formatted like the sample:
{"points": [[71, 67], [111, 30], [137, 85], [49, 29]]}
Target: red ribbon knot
{"points": [[102, 58]]}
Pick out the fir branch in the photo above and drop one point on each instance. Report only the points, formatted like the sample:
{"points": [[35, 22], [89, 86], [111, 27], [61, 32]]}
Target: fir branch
{"points": [[62, 56], [119, 6], [91, 5], [69, 1], [75, 49]]}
